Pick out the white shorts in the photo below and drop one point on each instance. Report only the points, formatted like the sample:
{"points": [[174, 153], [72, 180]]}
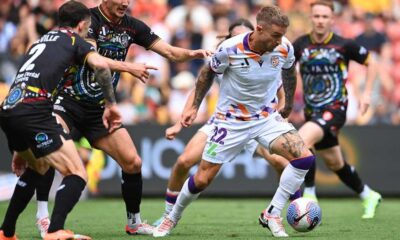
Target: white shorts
{"points": [[208, 130], [229, 137]]}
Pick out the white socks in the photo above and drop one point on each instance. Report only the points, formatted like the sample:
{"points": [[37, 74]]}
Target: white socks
{"points": [[309, 191], [290, 181], [365, 193], [42, 210], [170, 200], [134, 218], [185, 197]]}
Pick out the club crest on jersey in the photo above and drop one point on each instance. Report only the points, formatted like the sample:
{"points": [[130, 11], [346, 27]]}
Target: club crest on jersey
{"points": [[274, 61], [125, 40]]}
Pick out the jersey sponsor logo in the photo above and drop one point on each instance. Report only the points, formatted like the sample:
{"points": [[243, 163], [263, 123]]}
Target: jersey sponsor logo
{"points": [[43, 140], [15, 96], [274, 61]]}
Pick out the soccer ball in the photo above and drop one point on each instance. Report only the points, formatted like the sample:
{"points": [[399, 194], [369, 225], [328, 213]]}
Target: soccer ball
{"points": [[304, 214]]}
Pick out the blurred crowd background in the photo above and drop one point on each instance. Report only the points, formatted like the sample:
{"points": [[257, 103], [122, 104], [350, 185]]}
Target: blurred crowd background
{"points": [[201, 24]]}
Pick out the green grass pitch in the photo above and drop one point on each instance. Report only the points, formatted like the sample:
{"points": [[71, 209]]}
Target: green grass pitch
{"points": [[222, 219]]}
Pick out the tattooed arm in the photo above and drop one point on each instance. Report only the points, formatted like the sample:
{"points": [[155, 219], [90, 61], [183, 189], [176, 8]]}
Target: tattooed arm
{"points": [[103, 78], [203, 84], [289, 81], [102, 75], [111, 117]]}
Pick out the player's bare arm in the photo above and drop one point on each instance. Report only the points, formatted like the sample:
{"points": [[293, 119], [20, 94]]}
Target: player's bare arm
{"points": [[372, 71], [138, 70], [289, 81], [203, 84], [177, 54]]}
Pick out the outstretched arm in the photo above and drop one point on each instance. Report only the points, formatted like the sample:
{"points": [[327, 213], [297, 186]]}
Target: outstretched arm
{"points": [[137, 70], [289, 81], [203, 84], [177, 54]]}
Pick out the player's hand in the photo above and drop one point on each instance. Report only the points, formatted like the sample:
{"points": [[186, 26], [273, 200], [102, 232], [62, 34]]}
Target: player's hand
{"points": [[18, 165], [200, 53], [112, 119], [285, 112], [171, 132], [188, 117], [140, 71], [365, 102]]}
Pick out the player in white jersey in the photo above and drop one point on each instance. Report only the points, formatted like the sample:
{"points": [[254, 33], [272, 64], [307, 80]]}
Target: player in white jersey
{"points": [[193, 150], [249, 64]]}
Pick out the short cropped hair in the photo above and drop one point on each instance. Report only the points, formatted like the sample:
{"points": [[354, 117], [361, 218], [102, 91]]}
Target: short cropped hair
{"points": [[327, 3], [239, 22], [71, 13], [272, 15]]}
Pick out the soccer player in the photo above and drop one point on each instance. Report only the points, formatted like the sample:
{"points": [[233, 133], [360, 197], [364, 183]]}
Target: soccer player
{"points": [[26, 117], [323, 57], [193, 150], [249, 65], [80, 103]]}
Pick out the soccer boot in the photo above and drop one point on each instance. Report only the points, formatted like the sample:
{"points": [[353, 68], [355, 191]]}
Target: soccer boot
{"points": [[159, 221], [370, 204], [164, 228], [2, 237], [65, 235], [139, 229], [43, 225], [273, 223]]}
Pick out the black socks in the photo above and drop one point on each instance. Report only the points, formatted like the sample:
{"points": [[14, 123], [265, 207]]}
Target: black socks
{"points": [[67, 196], [23, 193], [132, 191]]}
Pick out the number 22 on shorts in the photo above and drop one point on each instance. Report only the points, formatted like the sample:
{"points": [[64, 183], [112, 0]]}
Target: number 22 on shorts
{"points": [[216, 139]]}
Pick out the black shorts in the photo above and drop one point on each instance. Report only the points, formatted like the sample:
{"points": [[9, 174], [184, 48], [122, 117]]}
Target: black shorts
{"points": [[32, 126], [331, 119], [84, 117]]}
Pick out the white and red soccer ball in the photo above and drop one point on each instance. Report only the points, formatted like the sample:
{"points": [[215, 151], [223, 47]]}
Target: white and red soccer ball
{"points": [[304, 214]]}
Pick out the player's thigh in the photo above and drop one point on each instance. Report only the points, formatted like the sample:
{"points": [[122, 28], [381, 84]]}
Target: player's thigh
{"points": [[333, 157], [193, 150], [66, 160], [290, 146], [61, 121], [39, 165], [311, 133], [119, 145]]}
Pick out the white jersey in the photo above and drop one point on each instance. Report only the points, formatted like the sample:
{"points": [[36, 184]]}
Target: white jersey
{"points": [[249, 81]]}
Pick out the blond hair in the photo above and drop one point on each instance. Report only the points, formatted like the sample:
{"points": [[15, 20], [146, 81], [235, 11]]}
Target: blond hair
{"points": [[272, 15]]}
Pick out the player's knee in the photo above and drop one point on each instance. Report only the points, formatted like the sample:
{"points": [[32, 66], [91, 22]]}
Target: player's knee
{"points": [[334, 165], [79, 172], [133, 165], [202, 181], [184, 163]]}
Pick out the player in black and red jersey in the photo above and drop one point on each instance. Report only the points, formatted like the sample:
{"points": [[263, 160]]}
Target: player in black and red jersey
{"points": [[324, 57], [26, 117], [80, 103]]}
